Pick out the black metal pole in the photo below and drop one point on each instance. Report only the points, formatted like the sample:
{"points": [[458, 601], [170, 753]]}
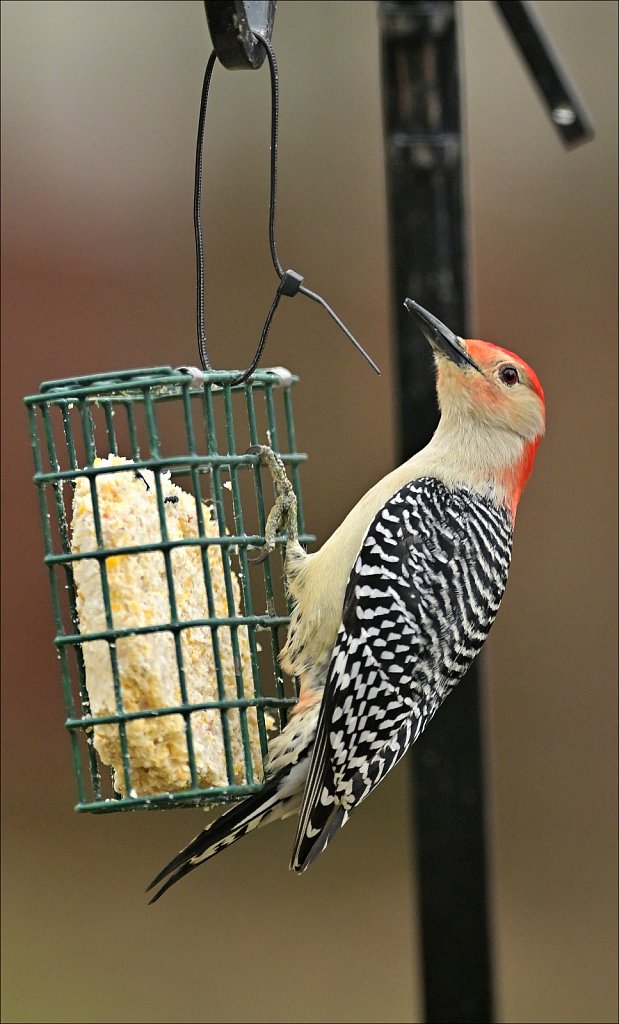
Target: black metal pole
{"points": [[424, 154]]}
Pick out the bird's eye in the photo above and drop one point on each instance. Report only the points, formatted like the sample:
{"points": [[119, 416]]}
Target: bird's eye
{"points": [[509, 375]]}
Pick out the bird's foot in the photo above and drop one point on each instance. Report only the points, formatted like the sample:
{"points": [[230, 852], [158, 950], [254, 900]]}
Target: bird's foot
{"points": [[284, 511]]}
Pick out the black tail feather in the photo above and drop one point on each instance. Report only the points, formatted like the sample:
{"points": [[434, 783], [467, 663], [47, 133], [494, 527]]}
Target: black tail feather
{"points": [[213, 838], [308, 849], [176, 877]]}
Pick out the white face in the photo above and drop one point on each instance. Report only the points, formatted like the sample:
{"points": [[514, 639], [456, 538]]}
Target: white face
{"points": [[505, 393]]}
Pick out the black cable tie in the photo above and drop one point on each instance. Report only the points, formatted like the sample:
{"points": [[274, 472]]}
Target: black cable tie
{"points": [[290, 283]]}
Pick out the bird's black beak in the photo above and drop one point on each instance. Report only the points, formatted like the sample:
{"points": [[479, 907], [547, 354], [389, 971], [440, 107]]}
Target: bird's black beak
{"points": [[440, 337]]}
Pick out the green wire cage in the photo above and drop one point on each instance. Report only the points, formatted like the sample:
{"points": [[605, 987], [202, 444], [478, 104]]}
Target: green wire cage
{"points": [[168, 633]]}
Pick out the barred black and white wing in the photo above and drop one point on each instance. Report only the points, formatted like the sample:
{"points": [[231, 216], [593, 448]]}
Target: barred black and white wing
{"points": [[419, 604]]}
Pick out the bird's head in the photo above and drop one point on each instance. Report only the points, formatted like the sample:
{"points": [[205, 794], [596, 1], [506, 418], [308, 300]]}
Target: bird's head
{"points": [[490, 394]]}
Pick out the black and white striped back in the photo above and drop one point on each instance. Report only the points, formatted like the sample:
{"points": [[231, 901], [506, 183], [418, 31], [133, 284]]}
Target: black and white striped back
{"points": [[420, 601]]}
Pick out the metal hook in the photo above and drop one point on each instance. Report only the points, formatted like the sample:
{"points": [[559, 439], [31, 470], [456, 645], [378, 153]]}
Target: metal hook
{"points": [[290, 282], [233, 25]]}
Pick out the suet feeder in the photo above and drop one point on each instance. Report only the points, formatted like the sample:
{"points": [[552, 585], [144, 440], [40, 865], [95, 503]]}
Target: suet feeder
{"points": [[168, 631], [150, 506]]}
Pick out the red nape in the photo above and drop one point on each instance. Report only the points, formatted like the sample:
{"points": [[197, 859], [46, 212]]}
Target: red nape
{"points": [[516, 476]]}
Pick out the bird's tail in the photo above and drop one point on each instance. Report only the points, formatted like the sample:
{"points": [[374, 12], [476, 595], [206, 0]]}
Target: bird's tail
{"points": [[271, 802], [321, 816]]}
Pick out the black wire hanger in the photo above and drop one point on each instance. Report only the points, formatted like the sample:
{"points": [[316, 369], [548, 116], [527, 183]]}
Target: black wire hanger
{"points": [[290, 282]]}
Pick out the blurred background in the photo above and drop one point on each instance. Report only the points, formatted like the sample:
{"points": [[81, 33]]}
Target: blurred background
{"points": [[100, 104]]}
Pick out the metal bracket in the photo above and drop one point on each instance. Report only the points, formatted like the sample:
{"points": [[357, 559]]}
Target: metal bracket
{"points": [[566, 108], [232, 24]]}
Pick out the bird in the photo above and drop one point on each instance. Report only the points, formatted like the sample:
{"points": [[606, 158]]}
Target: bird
{"points": [[389, 613]]}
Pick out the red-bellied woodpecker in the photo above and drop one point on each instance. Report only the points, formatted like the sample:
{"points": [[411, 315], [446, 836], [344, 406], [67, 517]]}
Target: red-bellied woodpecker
{"points": [[390, 612]]}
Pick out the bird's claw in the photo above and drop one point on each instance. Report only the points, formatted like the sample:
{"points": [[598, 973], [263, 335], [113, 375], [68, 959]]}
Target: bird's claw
{"points": [[284, 511], [262, 557]]}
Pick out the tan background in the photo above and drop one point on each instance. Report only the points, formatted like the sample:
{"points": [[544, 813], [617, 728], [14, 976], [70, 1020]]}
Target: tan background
{"points": [[100, 103]]}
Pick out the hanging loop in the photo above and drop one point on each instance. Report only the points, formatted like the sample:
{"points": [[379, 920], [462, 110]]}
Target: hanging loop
{"points": [[290, 282]]}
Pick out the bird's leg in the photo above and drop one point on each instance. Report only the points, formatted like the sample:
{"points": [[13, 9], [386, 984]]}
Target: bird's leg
{"points": [[284, 511]]}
